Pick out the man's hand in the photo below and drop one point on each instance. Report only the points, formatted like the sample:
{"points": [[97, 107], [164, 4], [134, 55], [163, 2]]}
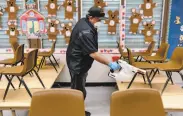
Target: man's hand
{"points": [[114, 66]]}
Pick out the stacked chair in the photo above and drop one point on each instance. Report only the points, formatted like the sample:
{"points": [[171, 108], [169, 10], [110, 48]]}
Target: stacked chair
{"points": [[21, 71], [141, 65], [136, 102], [175, 64], [48, 54], [160, 56], [148, 52], [62, 102]]}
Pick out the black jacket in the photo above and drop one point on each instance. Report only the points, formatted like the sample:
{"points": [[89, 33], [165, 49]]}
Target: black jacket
{"points": [[83, 42]]}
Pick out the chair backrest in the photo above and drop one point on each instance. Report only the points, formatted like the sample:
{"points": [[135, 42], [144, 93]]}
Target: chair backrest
{"points": [[150, 47], [163, 50], [14, 46], [19, 54], [31, 59], [139, 102], [57, 102], [177, 57], [52, 48], [130, 56]]}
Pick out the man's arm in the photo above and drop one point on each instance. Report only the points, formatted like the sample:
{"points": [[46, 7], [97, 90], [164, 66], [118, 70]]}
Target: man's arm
{"points": [[100, 58]]}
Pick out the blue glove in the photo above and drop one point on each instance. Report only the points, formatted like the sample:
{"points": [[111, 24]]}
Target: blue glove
{"points": [[114, 66]]}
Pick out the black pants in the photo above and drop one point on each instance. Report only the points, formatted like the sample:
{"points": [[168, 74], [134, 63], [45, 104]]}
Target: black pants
{"points": [[78, 82]]}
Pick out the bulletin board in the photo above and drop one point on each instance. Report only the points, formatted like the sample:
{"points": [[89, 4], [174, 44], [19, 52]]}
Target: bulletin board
{"points": [[175, 35]]}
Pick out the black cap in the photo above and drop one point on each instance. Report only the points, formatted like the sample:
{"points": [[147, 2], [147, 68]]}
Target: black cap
{"points": [[97, 12]]}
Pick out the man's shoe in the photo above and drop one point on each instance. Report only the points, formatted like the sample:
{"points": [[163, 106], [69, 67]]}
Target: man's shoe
{"points": [[87, 113]]}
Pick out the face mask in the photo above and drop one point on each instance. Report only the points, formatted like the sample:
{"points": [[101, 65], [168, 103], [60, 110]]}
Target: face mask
{"points": [[97, 25]]}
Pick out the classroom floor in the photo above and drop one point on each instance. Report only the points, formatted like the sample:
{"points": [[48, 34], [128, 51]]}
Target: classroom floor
{"points": [[97, 102]]}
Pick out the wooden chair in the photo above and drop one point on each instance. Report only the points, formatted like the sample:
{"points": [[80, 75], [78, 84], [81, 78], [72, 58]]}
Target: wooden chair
{"points": [[141, 65], [160, 56], [57, 102], [175, 64], [22, 71], [45, 55], [136, 102]]}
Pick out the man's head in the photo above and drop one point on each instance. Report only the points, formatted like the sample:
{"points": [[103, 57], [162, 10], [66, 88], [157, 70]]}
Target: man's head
{"points": [[96, 14]]}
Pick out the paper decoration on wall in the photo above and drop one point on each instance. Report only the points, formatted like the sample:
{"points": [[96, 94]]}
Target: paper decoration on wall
{"points": [[112, 21], [52, 30], [52, 8], [147, 8], [66, 31], [100, 3], [122, 25], [32, 24], [12, 32], [12, 10], [135, 20], [31, 4], [177, 21], [70, 8], [1, 14], [181, 28], [180, 41], [149, 31]]}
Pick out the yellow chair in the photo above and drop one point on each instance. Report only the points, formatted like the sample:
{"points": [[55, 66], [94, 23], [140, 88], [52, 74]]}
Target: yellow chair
{"points": [[148, 52], [136, 102], [45, 55], [161, 54], [141, 65], [175, 64], [21, 71], [18, 56], [57, 102]]}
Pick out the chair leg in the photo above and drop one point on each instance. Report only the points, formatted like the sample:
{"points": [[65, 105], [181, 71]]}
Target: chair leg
{"points": [[40, 64], [144, 79], [158, 72], [181, 75], [154, 75], [7, 88], [170, 76], [9, 81], [168, 79], [23, 82], [0, 77], [137, 58], [20, 82], [43, 62], [149, 81], [53, 64], [39, 78], [55, 60], [132, 80]]}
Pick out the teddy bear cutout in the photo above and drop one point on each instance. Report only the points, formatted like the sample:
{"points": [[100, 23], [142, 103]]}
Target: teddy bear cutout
{"points": [[12, 32], [181, 28], [12, 10], [147, 8], [52, 8], [70, 8], [100, 3], [149, 31], [112, 21], [177, 21], [135, 20], [66, 31], [52, 30]]}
